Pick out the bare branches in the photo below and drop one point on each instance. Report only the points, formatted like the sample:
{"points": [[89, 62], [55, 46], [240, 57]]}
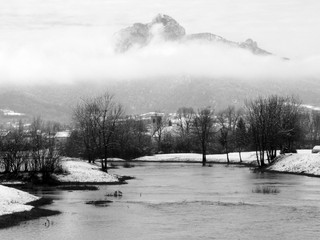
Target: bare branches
{"points": [[97, 119], [204, 129], [274, 123]]}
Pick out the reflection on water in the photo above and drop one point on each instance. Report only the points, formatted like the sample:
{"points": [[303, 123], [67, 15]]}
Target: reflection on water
{"points": [[184, 201]]}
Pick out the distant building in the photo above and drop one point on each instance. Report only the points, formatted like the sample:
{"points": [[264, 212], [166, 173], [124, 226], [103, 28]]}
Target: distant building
{"points": [[61, 137], [153, 120]]}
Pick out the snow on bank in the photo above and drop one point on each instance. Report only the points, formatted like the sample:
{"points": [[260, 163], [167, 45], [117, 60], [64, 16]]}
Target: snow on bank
{"points": [[82, 172], [301, 162], [247, 157], [13, 200]]}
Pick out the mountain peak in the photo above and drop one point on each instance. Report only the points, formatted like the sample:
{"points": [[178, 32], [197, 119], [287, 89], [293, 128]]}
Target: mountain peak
{"points": [[163, 19], [252, 46], [169, 29]]}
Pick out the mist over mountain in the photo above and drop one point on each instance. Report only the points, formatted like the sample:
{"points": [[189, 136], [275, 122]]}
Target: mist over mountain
{"points": [[166, 28], [155, 66]]}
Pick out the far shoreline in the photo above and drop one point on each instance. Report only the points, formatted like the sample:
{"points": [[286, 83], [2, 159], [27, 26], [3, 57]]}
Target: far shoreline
{"points": [[242, 164]]}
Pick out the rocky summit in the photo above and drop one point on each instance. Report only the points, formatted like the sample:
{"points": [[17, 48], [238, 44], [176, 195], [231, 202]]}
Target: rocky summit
{"points": [[163, 26]]}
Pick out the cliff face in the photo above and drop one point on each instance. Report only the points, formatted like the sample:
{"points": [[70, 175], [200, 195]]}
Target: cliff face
{"points": [[167, 28]]}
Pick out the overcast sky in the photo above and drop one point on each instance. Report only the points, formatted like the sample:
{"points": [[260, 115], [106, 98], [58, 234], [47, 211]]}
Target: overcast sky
{"points": [[38, 37]]}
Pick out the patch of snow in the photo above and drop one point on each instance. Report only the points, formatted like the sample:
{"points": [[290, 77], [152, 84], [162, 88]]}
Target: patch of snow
{"points": [[13, 200], [81, 171], [8, 112], [301, 162], [247, 157], [310, 107]]}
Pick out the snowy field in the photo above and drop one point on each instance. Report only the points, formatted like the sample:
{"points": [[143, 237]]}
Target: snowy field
{"points": [[13, 200], [82, 172], [303, 162], [247, 157]]}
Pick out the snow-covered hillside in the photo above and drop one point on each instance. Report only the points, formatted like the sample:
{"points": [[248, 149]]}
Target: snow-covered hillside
{"points": [[302, 163]]}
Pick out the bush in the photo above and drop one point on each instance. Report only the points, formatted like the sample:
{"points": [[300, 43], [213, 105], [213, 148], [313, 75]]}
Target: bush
{"points": [[128, 165], [265, 190]]}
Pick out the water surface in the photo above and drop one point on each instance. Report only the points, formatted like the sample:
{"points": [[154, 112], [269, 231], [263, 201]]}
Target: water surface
{"points": [[184, 201]]}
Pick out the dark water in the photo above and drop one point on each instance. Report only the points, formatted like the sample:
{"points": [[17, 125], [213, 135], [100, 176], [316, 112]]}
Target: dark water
{"points": [[184, 201]]}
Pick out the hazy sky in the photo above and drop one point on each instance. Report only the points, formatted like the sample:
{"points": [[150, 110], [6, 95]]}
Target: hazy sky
{"points": [[63, 40]]}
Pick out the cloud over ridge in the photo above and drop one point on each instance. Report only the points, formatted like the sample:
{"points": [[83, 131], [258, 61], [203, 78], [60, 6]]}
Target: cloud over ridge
{"points": [[65, 56]]}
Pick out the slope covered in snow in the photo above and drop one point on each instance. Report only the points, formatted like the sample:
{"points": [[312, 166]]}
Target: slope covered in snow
{"points": [[301, 163], [13, 200], [83, 172]]}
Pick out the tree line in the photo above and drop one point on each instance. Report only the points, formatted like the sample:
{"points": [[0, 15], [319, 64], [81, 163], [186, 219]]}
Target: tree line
{"points": [[266, 125], [101, 130]]}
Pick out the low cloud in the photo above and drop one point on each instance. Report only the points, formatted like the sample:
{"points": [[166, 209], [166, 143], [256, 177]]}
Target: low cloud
{"points": [[70, 57]]}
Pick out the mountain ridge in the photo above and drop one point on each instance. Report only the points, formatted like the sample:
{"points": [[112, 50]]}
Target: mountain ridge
{"points": [[169, 29]]}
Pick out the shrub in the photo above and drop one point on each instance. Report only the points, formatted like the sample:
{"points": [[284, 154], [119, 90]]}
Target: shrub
{"points": [[265, 190], [128, 165]]}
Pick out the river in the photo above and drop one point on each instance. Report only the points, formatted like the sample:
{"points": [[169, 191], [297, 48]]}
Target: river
{"points": [[183, 201]]}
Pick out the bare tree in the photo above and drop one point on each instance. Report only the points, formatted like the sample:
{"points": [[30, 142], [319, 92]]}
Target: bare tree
{"points": [[203, 124], [85, 117], [96, 119], [109, 116], [274, 122], [227, 120], [159, 127], [185, 120], [241, 136], [13, 149]]}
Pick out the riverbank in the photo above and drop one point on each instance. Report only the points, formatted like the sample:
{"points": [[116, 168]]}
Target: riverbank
{"points": [[17, 206], [76, 171], [13, 200], [301, 163]]}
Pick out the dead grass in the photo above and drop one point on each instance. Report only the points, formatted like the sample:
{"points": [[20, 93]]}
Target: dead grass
{"points": [[265, 190]]}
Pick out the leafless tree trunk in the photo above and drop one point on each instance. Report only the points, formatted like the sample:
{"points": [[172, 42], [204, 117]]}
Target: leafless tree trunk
{"points": [[204, 129]]}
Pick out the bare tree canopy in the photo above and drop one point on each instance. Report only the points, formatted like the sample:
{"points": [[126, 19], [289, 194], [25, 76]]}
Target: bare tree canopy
{"points": [[274, 124], [204, 129], [97, 119]]}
